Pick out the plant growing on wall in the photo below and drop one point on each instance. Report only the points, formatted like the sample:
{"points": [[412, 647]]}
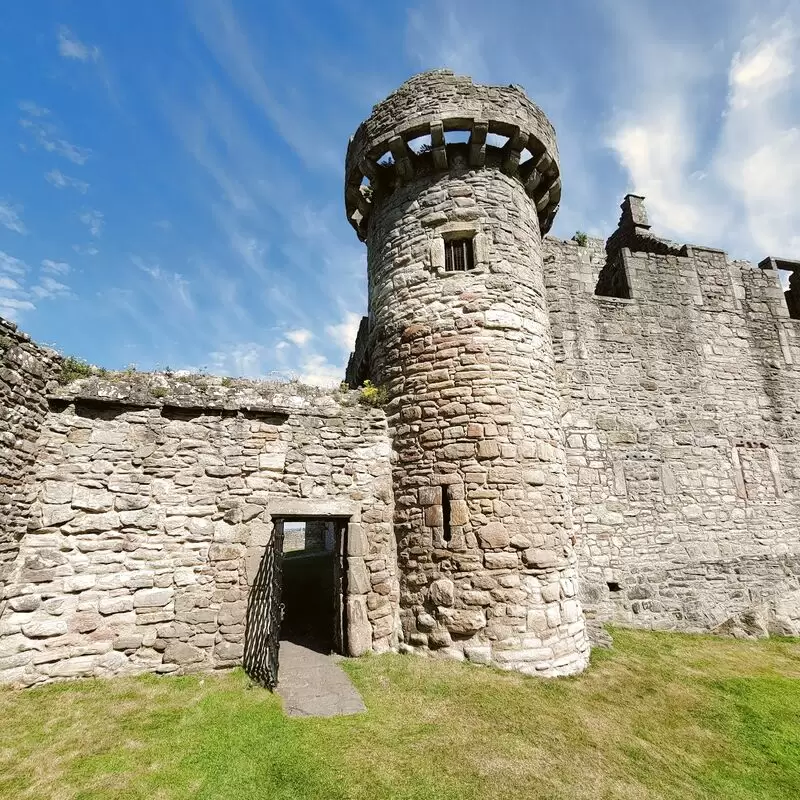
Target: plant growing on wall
{"points": [[72, 369], [580, 238], [371, 395]]}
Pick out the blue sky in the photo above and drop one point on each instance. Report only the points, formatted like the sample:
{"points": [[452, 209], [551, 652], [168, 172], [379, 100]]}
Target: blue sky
{"points": [[171, 172]]}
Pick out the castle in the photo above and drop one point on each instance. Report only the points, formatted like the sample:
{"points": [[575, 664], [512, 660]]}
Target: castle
{"points": [[573, 432]]}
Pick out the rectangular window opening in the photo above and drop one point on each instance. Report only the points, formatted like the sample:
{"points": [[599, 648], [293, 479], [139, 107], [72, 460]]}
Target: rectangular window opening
{"points": [[459, 255]]}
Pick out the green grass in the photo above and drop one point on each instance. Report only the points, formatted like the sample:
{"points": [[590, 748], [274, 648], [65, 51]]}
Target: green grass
{"points": [[660, 716]]}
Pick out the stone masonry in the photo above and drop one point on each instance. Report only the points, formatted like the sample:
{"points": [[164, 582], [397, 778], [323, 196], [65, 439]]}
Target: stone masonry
{"points": [[574, 432]]}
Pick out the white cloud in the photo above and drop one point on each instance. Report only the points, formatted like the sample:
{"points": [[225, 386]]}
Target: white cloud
{"points": [[62, 181], [11, 308], [94, 221], [729, 180], [46, 134], [163, 224], [12, 265], [10, 218], [32, 109], [69, 46], [300, 337], [316, 370], [171, 284], [344, 334], [15, 299], [8, 284], [48, 288], [230, 43], [759, 67], [89, 250], [55, 267]]}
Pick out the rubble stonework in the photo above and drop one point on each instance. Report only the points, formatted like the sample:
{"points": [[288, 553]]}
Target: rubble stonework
{"points": [[25, 369], [574, 433], [149, 519]]}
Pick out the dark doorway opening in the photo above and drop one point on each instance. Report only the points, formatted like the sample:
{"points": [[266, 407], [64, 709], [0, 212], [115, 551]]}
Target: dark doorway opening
{"points": [[313, 578]]}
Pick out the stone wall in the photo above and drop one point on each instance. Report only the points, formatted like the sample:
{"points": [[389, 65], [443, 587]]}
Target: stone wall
{"points": [[150, 515], [25, 370], [682, 420]]}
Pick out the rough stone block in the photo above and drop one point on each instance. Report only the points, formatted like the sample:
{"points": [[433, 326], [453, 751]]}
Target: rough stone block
{"points": [[115, 605], [358, 577], [501, 561], [493, 536], [45, 628], [539, 558], [183, 654], [152, 598], [442, 592], [463, 621], [359, 628], [92, 499]]}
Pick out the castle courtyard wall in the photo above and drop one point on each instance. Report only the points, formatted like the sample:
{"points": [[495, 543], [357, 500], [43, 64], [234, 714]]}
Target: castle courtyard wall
{"points": [[681, 415], [25, 369], [148, 521]]}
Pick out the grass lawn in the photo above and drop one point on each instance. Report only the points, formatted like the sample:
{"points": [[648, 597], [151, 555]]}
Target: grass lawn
{"points": [[660, 716]]}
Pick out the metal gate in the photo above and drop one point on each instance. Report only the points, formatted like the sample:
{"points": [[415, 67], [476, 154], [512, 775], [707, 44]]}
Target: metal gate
{"points": [[264, 614]]}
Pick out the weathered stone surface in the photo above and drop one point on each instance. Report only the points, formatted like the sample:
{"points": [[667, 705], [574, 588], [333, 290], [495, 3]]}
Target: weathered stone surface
{"points": [[152, 597], [463, 621], [92, 499], [43, 628], [183, 654], [442, 592], [493, 536], [359, 630]]}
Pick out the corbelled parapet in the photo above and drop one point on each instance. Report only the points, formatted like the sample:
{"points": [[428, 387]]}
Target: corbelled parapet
{"points": [[433, 104]]}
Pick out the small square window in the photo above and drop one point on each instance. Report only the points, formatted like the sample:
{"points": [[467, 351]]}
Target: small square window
{"points": [[459, 255]]}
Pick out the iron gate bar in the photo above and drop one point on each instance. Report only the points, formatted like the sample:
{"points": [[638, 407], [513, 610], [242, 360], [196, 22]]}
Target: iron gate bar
{"points": [[265, 614]]}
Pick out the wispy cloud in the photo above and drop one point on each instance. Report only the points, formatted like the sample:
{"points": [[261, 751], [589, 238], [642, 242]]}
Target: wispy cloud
{"points": [[94, 221], [11, 265], [174, 284], [10, 218], [44, 132], [441, 35], [33, 110], [18, 292], [69, 46], [48, 288], [85, 250], [62, 181], [55, 267], [233, 48]]}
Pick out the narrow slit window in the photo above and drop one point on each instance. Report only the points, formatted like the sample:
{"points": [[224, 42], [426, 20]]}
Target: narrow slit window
{"points": [[447, 533], [459, 255]]}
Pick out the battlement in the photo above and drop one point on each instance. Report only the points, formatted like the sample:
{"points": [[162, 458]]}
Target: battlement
{"points": [[433, 105]]}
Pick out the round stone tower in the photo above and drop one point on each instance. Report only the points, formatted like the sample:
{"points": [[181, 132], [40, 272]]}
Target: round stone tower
{"points": [[452, 185]]}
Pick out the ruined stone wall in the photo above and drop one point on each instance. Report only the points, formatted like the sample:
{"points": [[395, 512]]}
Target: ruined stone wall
{"points": [[151, 514], [682, 420], [25, 369]]}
